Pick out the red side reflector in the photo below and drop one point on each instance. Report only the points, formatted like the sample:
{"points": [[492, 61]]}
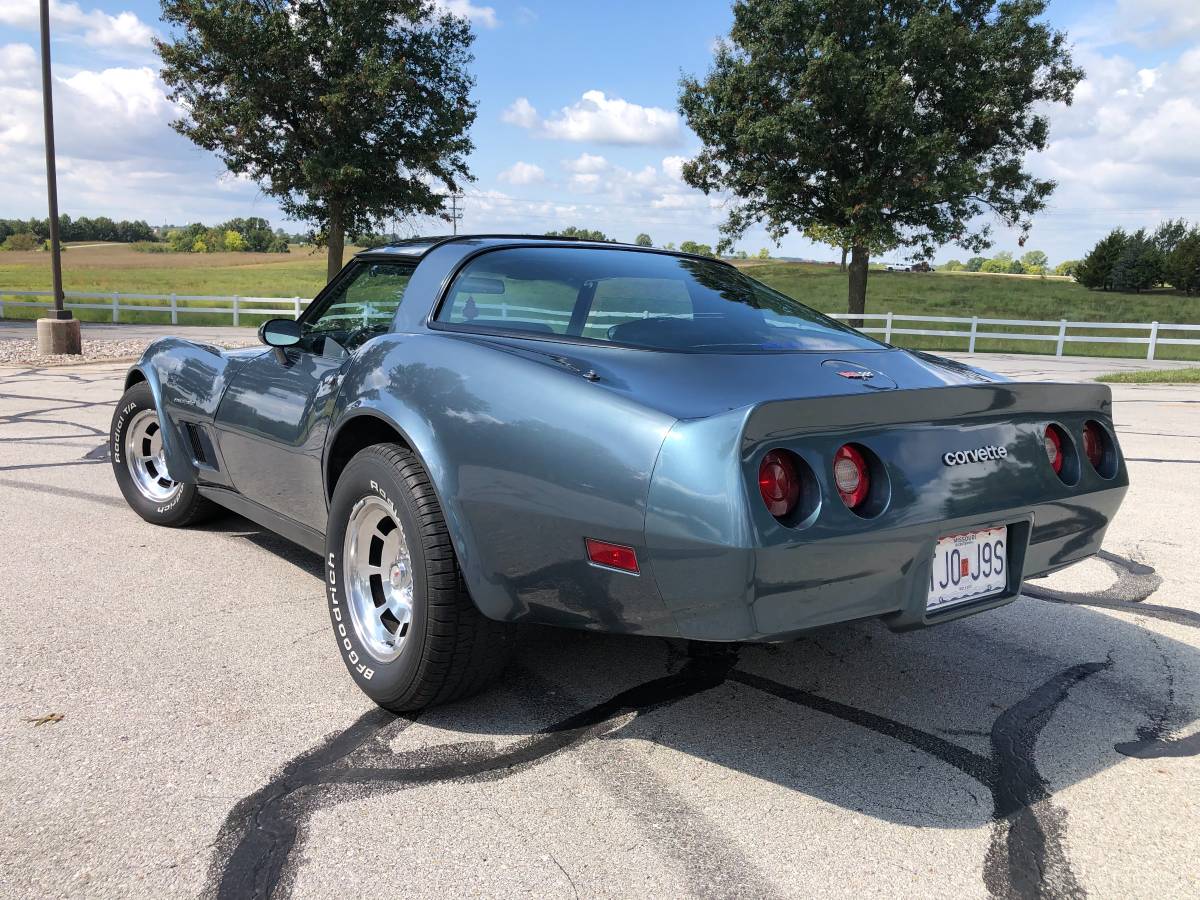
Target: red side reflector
{"points": [[614, 556]]}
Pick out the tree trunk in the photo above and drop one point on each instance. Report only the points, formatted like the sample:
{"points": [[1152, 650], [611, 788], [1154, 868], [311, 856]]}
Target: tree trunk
{"points": [[845, 250], [858, 284], [335, 240]]}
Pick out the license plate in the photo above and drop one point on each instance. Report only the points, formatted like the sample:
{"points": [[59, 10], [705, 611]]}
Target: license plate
{"points": [[968, 566]]}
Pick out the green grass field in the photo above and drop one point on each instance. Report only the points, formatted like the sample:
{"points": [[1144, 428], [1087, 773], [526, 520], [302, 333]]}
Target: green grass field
{"points": [[1154, 376], [108, 268]]}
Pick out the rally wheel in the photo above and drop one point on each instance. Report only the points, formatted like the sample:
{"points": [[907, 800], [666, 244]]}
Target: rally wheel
{"points": [[407, 629], [140, 467]]}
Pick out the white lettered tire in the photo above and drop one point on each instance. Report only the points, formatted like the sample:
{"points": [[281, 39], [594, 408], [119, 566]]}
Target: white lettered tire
{"points": [[135, 449], [405, 626]]}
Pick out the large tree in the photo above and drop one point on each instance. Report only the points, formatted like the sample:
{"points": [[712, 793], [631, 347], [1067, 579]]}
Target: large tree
{"points": [[349, 113], [895, 123]]}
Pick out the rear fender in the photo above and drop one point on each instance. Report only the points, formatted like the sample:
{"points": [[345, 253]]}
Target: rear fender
{"points": [[527, 458], [698, 527]]}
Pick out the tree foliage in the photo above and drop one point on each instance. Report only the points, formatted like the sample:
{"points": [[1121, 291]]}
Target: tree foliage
{"points": [[583, 234], [1034, 259], [1066, 267], [21, 240], [643, 240], [234, 236], [1140, 260], [1139, 265], [898, 123], [697, 249], [1095, 270], [348, 113], [1181, 267]]}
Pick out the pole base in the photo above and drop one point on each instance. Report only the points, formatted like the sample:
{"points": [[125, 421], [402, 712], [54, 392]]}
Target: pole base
{"points": [[57, 337]]}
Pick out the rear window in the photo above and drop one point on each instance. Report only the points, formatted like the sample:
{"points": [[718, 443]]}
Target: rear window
{"points": [[639, 299]]}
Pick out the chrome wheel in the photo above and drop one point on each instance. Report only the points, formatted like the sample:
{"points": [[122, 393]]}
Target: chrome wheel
{"points": [[379, 578], [144, 456]]}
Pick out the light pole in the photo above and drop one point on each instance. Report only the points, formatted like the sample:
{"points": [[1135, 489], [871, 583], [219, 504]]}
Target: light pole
{"points": [[59, 332]]}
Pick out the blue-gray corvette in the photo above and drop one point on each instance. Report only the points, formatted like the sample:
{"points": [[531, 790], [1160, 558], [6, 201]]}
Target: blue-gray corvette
{"points": [[481, 431]]}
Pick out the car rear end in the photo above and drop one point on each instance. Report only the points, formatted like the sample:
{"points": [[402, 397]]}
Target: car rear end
{"points": [[917, 506]]}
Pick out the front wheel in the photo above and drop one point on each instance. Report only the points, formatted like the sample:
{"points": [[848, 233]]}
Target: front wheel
{"points": [[139, 464], [407, 630]]}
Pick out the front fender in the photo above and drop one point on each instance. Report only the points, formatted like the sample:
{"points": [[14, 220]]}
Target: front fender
{"points": [[187, 380]]}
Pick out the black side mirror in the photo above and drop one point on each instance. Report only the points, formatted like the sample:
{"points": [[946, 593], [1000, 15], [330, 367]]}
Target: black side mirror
{"points": [[279, 332]]}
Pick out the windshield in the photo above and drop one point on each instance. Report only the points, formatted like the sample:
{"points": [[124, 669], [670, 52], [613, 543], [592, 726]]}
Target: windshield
{"points": [[639, 299]]}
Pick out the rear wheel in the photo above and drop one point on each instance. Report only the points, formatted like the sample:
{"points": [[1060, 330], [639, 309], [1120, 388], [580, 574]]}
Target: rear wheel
{"points": [[407, 630], [139, 464]]}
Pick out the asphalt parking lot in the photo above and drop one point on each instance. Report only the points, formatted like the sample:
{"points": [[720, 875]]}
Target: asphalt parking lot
{"points": [[210, 742]]}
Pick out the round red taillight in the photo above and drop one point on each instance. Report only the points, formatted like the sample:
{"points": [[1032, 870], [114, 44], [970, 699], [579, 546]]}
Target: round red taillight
{"points": [[1093, 444], [851, 476], [779, 483], [1053, 443]]}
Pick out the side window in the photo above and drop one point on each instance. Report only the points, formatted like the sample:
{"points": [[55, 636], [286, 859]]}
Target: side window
{"points": [[362, 306], [495, 299], [621, 300]]}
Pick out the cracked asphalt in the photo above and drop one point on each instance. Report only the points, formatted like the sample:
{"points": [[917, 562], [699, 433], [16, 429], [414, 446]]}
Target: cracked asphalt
{"points": [[175, 720]]}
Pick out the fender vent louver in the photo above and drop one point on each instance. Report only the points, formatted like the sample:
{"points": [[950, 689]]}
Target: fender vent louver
{"points": [[196, 440]]}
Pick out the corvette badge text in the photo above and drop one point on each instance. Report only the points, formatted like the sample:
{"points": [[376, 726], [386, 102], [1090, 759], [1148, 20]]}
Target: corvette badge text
{"points": [[963, 457]]}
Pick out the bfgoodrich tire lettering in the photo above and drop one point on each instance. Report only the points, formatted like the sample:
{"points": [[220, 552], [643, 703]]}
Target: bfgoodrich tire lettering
{"points": [[447, 649], [172, 507]]}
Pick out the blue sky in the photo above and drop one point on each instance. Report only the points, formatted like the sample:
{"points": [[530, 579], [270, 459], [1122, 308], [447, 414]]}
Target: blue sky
{"points": [[577, 122]]}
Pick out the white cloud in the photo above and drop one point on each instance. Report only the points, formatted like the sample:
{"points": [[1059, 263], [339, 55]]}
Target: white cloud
{"points": [[522, 173], [17, 63], [600, 119], [465, 9], [95, 27], [521, 113], [586, 163], [1125, 153], [673, 166], [1155, 22], [117, 154]]}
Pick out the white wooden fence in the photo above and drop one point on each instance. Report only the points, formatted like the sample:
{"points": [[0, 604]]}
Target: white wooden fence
{"points": [[971, 329], [167, 303], [1059, 333]]}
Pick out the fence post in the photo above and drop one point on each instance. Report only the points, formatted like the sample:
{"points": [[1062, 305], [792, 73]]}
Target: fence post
{"points": [[174, 311], [1062, 337], [236, 311], [296, 303], [887, 329], [1153, 340], [974, 328], [116, 304]]}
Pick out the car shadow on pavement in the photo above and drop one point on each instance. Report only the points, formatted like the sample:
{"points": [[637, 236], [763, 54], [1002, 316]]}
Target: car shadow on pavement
{"points": [[951, 727]]}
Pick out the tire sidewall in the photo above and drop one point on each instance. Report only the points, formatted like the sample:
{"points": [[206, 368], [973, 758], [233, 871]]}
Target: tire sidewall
{"points": [[135, 400], [384, 682]]}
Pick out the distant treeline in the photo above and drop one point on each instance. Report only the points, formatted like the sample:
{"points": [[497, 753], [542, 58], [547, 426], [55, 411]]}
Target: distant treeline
{"points": [[1032, 262], [101, 228], [1140, 260]]}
